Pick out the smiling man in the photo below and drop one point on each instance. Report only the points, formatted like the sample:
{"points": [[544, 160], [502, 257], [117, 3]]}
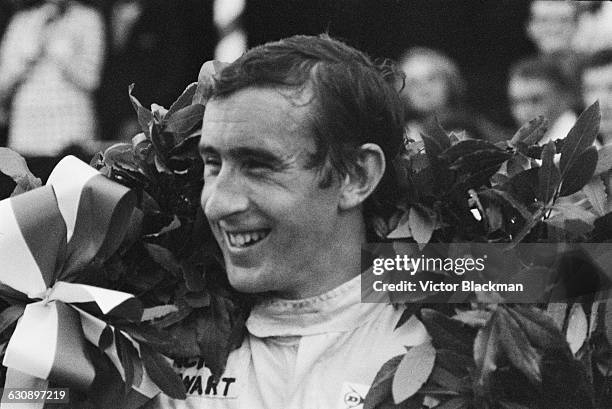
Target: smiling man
{"points": [[297, 141], [263, 200]]}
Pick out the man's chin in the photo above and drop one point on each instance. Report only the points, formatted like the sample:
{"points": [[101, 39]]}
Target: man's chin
{"points": [[246, 280]]}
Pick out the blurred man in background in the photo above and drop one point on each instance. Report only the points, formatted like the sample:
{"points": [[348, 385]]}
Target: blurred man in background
{"points": [[552, 25], [594, 26], [50, 62], [538, 86], [597, 86]]}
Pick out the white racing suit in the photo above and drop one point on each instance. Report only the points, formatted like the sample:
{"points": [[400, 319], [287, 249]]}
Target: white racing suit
{"points": [[318, 353]]}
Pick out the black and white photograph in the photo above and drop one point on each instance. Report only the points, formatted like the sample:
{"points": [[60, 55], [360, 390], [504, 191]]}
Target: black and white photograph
{"points": [[305, 204]]}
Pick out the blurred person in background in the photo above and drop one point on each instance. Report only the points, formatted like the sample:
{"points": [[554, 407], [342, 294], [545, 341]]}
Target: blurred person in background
{"points": [[552, 26], [434, 90], [596, 80], [50, 61], [228, 19], [538, 86], [594, 26]]}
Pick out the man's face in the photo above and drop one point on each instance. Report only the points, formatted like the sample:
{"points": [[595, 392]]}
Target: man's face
{"points": [[275, 225], [530, 97], [552, 25], [426, 90], [597, 85]]}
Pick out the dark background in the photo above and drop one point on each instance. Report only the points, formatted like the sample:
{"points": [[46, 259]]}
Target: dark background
{"points": [[484, 37], [176, 37]]}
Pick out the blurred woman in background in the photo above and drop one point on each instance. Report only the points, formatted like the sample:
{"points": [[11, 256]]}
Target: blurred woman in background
{"points": [[435, 89], [50, 62]]}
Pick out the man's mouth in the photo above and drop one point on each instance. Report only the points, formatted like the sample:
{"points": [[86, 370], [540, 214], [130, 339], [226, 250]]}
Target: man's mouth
{"points": [[246, 238]]}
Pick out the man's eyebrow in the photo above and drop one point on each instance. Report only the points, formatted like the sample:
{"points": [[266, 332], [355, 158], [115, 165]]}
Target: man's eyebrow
{"points": [[241, 153], [260, 155], [206, 150]]}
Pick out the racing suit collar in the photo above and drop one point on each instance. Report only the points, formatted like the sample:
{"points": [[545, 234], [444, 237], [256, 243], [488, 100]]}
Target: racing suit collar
{"points": [[337, 310]]}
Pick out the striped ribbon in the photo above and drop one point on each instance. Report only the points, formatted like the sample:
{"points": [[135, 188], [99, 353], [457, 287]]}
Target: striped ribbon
{"points": [[47, 236]]}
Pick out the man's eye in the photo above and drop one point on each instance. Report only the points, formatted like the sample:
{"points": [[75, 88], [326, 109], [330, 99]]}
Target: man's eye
{"points": [[256, 165], [212, 165]]}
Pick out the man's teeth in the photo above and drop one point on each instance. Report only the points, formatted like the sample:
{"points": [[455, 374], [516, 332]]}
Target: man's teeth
{"points": [[246, 239]]}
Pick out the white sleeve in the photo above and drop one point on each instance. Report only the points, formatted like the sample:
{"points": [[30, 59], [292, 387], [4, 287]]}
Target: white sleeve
{"points": [[81, 58], [14, 52]]}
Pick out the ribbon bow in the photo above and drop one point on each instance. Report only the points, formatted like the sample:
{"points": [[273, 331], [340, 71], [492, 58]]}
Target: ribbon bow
{"points": [[47, 236]]}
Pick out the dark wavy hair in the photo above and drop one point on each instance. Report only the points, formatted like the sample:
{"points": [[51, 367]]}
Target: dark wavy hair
{"points": [[354, 102]]}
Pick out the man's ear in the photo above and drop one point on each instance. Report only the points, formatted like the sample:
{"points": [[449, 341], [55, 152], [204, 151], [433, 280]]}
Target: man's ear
{"points": [[363, 179]]}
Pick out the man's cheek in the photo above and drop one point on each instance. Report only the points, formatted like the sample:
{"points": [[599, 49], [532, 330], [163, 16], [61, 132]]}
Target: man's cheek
{"points": [[203, 199], [218, 234]]}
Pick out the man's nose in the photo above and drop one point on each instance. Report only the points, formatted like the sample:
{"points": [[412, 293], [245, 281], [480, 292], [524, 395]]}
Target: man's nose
{"points": [[224, 196]]}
